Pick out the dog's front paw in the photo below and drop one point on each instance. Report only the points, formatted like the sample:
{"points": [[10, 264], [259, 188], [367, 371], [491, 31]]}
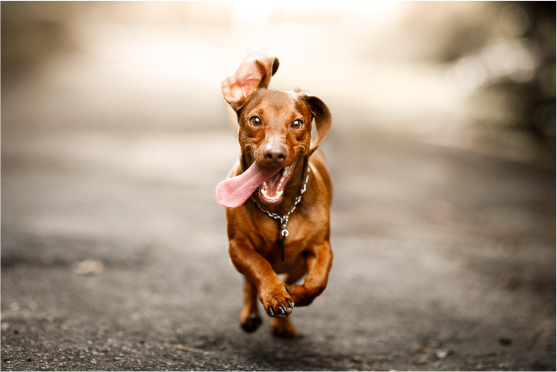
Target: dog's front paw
{"points": [[251, 323], [303, 296], [277, 301]]}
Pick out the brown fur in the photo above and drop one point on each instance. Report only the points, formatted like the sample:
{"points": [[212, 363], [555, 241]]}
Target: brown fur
{"points": [[255, 240]]}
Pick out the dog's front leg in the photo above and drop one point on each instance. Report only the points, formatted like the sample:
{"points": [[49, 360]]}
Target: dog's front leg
{"points": [[273, 293], [249, 317], [319, 260]]}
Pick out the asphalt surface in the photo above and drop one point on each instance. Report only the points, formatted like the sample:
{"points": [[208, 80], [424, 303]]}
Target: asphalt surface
{"points": [[444, 258]]}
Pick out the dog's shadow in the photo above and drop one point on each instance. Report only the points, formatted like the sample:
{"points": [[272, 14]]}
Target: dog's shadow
{"points": [[300, 353], [262, 351]]}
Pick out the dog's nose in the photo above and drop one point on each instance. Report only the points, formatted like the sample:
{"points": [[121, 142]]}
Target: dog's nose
{"points": [[275, 154]]}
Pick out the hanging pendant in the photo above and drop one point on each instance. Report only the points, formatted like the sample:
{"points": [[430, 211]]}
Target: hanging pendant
{"points": [[284, 235]]}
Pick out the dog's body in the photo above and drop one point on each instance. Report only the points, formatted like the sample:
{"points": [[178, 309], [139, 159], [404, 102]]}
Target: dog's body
{"points": [[278, 165]]}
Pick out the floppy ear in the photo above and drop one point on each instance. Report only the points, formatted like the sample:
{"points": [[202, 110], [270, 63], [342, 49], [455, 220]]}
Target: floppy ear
{"points": [[321, 114], [254, 72]]}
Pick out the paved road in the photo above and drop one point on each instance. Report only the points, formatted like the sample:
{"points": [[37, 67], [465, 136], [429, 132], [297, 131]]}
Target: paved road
{"points": [[444, 258]]}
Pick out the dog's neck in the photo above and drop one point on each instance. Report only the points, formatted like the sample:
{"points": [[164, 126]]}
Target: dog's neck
{"points": [[291, 191]]}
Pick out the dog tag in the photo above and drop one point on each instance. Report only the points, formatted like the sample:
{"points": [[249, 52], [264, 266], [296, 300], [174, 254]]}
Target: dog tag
{"points": [[284, 235]]}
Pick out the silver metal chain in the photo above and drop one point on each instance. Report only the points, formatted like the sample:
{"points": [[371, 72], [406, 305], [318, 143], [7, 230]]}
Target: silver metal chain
{"points": [[284, 219]]}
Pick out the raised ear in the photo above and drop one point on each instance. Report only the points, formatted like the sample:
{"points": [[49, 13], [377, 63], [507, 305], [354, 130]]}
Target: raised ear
{"points": [[254, 72], [321, 114]]}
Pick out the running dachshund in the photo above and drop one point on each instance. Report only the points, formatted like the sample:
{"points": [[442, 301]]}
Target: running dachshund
{"points": [[277, 195]]}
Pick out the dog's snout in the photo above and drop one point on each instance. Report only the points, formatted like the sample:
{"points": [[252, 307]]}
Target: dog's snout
{"points": [[275, 154]]}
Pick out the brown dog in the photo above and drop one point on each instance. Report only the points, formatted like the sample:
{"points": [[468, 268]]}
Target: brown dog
{"points": [[278, 197]]}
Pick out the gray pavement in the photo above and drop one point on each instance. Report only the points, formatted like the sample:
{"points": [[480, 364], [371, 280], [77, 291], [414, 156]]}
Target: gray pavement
{"points": [[444, 255]]}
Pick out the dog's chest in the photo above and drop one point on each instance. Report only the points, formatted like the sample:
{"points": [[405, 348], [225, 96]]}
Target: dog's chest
{"points": [[268, 240]]}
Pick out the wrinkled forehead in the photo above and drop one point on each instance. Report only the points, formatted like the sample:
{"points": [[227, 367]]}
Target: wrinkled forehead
{"points": [[275, 103]]}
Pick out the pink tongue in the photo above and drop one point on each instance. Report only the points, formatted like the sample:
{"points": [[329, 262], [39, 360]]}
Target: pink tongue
{"points": [[234, 191]]}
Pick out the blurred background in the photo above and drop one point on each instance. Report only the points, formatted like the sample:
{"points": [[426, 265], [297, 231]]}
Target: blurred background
{"points": [[475, 75], [114, 135]]}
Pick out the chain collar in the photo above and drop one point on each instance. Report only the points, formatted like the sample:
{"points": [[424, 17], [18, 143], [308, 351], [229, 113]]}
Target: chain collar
{"points": [[284, 219]]}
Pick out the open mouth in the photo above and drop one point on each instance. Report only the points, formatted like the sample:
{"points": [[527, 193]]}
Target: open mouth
{"points": [[270, 181], [271, 191]]}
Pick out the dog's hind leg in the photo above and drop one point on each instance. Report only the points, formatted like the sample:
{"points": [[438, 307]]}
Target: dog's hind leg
{"points": [[249, 317], [282, 327]]}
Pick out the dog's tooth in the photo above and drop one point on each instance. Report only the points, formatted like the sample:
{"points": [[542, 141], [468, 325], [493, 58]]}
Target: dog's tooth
{"points": [[286, 168], [282, 179]]}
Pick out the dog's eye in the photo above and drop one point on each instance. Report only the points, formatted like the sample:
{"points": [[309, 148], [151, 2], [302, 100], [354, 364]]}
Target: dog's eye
{"points": [[255, 121], [297, 124]]}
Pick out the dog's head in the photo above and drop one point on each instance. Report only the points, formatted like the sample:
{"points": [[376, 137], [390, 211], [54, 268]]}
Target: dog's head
{"points": [[274, 127]]}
